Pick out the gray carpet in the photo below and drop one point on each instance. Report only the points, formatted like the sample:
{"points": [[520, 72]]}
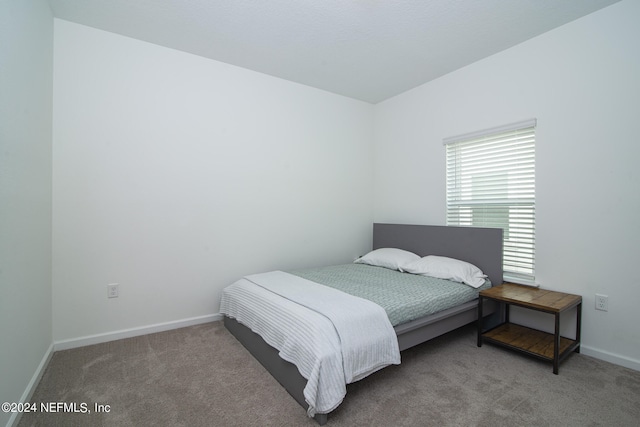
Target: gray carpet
{"points": [[201, 376]]}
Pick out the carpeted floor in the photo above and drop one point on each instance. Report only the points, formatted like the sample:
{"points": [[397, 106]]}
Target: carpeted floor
{"points": [[201, 376]]}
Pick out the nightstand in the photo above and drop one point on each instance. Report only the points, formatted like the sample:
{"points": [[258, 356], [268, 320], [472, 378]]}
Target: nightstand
{"points": [[543, 345]]}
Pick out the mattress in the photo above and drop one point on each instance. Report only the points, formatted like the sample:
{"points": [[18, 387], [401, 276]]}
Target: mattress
{"points": [[403, 296]]}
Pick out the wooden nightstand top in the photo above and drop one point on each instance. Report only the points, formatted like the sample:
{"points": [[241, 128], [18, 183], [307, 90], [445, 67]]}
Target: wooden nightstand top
{"points": [[536, 298]]}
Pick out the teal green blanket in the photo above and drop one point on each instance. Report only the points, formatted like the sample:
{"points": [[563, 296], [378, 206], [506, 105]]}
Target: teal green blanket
{"points": [[403, 296]]}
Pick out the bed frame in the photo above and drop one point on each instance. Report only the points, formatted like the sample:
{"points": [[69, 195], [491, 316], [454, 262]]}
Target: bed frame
{"points": [[479, 246]]}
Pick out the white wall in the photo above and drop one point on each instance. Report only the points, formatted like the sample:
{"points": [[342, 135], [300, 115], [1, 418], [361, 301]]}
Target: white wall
{"points": [[175, 175], [26, 50], [581, 81]]}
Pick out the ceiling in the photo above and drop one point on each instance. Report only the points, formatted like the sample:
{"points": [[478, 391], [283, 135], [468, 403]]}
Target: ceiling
{"points": [[369, 50]]}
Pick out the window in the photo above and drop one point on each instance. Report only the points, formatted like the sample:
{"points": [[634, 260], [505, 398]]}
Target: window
{"points": [[491, 183]]}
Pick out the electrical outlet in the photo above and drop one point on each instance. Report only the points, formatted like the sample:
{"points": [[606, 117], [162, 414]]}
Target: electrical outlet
{"points": [[602, 302], [112, 290]]}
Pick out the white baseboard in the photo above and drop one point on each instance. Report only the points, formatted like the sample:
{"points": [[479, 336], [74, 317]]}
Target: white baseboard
{"points": [[133, 332], [616, 359], [31, 387]]}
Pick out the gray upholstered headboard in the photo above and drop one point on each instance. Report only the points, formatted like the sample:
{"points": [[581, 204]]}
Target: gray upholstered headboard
{"points": [[481, 247]]}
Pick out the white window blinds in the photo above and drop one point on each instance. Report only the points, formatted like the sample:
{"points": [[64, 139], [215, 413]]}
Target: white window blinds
{"points": [[491, 183]]}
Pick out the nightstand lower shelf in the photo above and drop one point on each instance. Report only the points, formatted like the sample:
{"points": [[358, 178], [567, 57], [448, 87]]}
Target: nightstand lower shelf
{"points": [[526, 340]]}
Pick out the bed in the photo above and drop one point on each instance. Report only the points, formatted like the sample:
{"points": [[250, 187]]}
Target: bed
{"points": [[481, 247]]}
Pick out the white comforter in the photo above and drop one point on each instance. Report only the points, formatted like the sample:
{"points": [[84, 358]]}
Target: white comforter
{"points": [[333, 338]]}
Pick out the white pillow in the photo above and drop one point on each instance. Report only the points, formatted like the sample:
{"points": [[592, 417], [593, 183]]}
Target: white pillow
{"points": [[388, 258], [447, 268]]}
